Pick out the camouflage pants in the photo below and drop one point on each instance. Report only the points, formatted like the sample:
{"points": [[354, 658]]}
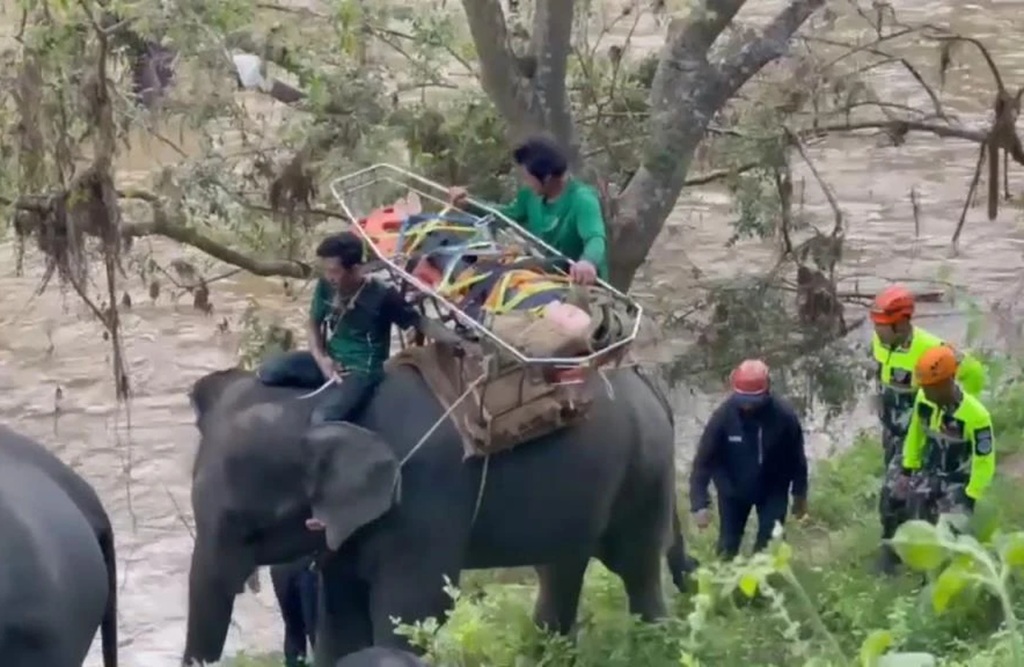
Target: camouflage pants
{"points": [[891, 509], [932, 495]]}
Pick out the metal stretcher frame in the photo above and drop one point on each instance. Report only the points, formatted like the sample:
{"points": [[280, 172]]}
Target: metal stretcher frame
{"points": [[345, 188]]}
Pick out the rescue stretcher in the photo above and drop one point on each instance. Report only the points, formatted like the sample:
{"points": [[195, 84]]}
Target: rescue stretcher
{"points": [[449, 257]]}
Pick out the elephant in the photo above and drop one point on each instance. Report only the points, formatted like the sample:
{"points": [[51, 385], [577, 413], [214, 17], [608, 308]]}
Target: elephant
{"points": [[381, 657], [58, 581], [398, 521]]}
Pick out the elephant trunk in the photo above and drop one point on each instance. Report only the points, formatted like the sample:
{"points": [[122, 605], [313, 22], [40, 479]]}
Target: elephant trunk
{"points": [[211, 599], [680, 564], [108, 626]]}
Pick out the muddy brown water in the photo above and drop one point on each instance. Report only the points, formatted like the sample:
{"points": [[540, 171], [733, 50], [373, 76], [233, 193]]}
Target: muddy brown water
{"points": [[142, 474]]}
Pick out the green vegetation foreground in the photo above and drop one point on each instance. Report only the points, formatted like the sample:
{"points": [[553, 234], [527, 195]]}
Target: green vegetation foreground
{"points": [[817, 600]]}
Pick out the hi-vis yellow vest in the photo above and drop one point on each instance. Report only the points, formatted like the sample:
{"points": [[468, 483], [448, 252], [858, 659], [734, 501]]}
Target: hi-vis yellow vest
{"points": [[895, 378]]}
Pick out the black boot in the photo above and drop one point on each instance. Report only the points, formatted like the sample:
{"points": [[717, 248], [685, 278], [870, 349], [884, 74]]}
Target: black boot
{"points": [[888, 561]]}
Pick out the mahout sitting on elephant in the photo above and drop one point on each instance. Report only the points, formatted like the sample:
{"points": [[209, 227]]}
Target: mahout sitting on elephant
{"points": [[402, 513], [58, 581], [349, 332]]}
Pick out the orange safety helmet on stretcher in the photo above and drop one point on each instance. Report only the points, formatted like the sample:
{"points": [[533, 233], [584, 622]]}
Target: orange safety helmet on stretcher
{"points": [[892, 305], [937, 365]]}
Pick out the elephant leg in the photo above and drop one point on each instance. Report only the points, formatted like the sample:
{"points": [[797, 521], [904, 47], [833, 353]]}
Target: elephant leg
{"points": [[634, 551], [211, 599], [410, 592], [342, 616], [558, 594]]}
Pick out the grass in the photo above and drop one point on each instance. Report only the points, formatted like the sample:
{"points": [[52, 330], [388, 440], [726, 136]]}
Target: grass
{"points": [[839, 602]]}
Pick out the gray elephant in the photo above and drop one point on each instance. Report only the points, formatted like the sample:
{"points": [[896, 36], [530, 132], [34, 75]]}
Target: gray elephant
{"points": [[604, 488], [381, 657], [58, 581]]}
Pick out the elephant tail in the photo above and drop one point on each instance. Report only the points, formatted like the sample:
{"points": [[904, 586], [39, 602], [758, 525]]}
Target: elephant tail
{"points": [[680, 564], [108, 626]]}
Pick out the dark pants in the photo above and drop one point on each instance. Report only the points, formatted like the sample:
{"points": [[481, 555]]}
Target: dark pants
{"points": [[339, 402], [295, 585], [732, 518]]}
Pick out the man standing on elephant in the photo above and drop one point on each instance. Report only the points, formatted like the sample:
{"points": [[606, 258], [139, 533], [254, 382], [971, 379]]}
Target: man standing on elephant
{"points": [[562, 211], [949, 453], [752, 449], [349, 331], [897, 345]]}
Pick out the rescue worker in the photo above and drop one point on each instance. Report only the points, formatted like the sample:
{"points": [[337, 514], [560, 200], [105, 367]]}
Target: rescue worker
{"points": [[349, 332], [949, 454], [753, 450], [897, 345], [559, 209]]}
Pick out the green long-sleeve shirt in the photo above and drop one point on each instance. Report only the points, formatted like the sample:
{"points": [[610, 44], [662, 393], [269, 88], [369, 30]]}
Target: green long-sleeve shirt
{"points": [[571, 223]]}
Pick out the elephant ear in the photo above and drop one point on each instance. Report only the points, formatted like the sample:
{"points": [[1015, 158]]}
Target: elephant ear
{"points": [[352, 478]]}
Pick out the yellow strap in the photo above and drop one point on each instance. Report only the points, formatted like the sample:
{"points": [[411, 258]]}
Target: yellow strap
{"points": [[527, 289]]}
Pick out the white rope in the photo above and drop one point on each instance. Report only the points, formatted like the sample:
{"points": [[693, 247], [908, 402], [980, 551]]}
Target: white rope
{"points": [[397, 489], [480, 492], [331, 380]]}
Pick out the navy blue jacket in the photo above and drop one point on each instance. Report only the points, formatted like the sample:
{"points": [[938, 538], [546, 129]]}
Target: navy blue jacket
{"points": [[750, 456]]}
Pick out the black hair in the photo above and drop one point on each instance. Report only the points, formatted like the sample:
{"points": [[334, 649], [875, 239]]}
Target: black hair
{"points": [[541, 157], [345, 247]]}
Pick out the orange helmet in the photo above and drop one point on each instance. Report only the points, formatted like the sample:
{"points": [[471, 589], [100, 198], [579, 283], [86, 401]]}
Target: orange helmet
{"points": [[750, 377], [893, 304], [936, 366]]}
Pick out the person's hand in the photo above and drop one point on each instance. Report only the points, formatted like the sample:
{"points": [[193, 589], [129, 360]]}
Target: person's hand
{"points": [[327, 366], [457, 195], [901, 488], [799, 508], [583, 272], [702, 518]]}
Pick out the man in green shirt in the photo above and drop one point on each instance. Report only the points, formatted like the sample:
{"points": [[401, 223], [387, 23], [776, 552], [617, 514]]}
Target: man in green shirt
{"points": [[349, 331], [562, 211]]}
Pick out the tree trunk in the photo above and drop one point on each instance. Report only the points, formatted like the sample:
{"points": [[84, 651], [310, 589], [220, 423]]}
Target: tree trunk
{"points": [[688, 90]]}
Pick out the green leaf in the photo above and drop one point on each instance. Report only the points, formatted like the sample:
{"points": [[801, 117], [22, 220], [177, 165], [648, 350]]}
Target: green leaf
{"points": [[918, 545], [782, 556], [1011, 549], [874, 645], [952, 580], [748, 584], [907, 660]]}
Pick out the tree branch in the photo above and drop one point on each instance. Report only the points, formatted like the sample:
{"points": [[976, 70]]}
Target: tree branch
{"points": [[686, 93], [772, 44], [499, 74]]}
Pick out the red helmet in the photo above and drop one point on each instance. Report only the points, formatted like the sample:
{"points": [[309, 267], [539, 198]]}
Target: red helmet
{"points": [[892, 305], [750, 377]]}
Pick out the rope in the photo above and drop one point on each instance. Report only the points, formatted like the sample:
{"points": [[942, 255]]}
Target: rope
{"points": [[331, 380], [397, 487], [480, 492]]}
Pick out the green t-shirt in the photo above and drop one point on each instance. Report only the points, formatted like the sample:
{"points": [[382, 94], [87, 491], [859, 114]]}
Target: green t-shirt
{"points": [[571, 223], [357, 334]]}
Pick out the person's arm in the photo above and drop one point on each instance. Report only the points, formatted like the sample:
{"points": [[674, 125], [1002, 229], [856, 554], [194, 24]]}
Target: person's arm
{"points": [[913, 444], [971, 374], [515, 210], [317, 313], [591, 229], [704, 462], [404, 315], [983, 460], [799, 488]]}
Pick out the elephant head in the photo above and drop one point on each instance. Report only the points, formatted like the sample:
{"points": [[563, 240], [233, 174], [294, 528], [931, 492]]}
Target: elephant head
{"points": [[259, 472], [351, 480]]}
